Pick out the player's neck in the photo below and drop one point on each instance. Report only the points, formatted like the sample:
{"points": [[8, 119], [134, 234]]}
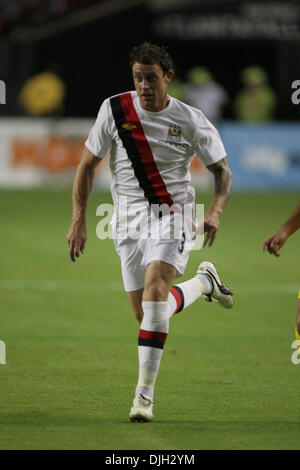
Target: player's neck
{"points": [[155, 107]]}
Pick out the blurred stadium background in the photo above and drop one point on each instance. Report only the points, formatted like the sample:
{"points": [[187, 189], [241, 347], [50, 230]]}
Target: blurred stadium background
{"points": [[236, 60], [59, 59]]}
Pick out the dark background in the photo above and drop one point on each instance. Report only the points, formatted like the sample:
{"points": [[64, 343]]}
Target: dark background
{"points": [[92, 58]]}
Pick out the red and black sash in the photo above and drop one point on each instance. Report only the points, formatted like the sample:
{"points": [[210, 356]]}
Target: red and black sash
{"points": [[139, 152]]}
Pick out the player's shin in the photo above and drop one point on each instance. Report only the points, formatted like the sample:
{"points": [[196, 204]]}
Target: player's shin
{"points": [[152, 336]]}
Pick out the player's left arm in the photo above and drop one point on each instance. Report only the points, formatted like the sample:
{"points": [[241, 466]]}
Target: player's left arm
{"points": [[293, 222], [276, 241], [223, 188]]}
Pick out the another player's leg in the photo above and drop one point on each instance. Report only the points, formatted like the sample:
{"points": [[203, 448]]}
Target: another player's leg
{"points": [[297, 328], [152, 336]]}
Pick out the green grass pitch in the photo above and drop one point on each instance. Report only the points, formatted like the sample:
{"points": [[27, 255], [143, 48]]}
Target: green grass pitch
{"points": [[226, 379]]}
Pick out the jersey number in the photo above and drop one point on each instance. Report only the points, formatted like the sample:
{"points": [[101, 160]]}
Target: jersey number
{"points": [[181, 248]]}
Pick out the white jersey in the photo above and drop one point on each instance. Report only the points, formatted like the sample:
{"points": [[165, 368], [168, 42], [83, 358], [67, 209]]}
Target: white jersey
{"points": [[151, 152]]}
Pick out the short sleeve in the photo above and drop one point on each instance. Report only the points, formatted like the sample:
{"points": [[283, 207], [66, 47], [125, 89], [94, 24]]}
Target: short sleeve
{"points": [[207, 142], [100, 137]]}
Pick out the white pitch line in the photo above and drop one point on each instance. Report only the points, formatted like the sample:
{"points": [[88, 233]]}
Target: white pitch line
{"points": [[77, 285], [15, 285]]}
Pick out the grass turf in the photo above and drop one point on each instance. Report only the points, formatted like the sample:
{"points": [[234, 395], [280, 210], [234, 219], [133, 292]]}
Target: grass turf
{"points": [[226, 379]]}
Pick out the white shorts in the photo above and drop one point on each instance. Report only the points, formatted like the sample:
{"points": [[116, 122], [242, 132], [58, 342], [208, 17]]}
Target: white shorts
{"points": [[136, 253]]}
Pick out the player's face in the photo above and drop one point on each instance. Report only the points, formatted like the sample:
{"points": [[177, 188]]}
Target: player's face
{"points": [[151, 85]]}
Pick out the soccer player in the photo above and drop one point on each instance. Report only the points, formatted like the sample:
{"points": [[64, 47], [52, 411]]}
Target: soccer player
{"points": [[276, 241], [152, 139]]}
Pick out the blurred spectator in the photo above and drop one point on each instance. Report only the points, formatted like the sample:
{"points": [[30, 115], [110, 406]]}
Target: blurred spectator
{"points": [[176, 89], [43, 94], [256, 101], [205, 94]]}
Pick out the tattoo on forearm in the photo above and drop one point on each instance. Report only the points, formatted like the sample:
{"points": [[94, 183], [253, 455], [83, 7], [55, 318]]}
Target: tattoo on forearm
{"points": [[223, 179]]}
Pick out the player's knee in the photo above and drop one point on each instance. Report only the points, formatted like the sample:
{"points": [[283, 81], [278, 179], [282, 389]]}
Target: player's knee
{"points": [[154, 292]]}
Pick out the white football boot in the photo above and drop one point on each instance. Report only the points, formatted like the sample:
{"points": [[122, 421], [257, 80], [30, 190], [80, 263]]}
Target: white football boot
{"points": [[141, 410], [220, 292]]}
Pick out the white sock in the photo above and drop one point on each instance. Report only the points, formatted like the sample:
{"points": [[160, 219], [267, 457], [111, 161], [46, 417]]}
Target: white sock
{"points": [[184, 294], [152, 335]]}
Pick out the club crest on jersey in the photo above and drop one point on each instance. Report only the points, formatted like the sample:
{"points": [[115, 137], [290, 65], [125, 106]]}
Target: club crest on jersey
{"points": [[128, 126], [174, 133]]}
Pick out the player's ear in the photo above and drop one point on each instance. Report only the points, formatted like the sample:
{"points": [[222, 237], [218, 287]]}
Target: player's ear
{"points": [[169, 75]]}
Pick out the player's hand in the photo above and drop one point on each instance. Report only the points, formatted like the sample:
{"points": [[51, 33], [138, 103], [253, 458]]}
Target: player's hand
{"points": [[211, 225], [273, 243], [76, 238]]}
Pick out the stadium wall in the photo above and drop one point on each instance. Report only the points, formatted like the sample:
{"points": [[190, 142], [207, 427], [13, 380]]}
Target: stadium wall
{"points": [[263, 156], [37, 152]]}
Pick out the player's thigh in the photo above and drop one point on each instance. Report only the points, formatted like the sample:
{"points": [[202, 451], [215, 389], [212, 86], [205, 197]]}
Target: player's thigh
{"points": [[135, 299], [158, 280]]}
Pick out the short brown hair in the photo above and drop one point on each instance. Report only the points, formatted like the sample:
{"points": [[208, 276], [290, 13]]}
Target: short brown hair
{"points": [[148, 53]]}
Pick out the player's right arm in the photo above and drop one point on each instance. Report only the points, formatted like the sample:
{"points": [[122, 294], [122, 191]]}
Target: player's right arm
{"points": [[276, 241], [223, 188], [82, 186]]}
